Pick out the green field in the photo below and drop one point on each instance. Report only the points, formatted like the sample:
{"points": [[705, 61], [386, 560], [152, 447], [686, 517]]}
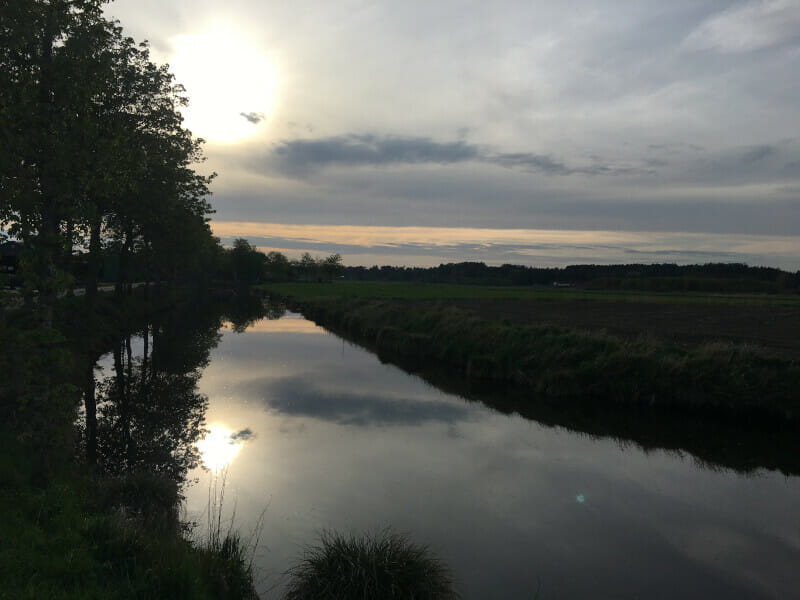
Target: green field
{"points": [[443, 291]]}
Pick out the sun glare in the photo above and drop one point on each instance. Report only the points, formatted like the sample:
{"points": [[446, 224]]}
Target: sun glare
{"points": [[230, 84], [218, 448]]}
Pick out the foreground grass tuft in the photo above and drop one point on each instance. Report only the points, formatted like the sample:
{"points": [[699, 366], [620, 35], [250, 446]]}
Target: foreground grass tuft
{"points": [[383, 566]]}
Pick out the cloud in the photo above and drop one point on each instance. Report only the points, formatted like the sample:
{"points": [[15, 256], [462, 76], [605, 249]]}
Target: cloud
{"points": [[792, 169], [254, 117], [301, 157], [757, 153], [533, 162], [243, 435], [749, 27], [294, 396], [509, 109]]}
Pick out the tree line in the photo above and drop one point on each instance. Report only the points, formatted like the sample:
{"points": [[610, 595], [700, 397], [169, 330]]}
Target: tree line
{"points": [[245, 264], [94, 158], [711, 277]]}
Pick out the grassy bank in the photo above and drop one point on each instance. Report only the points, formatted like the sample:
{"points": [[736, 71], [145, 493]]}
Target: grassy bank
{"points": [[558, 364], [79, 536]]}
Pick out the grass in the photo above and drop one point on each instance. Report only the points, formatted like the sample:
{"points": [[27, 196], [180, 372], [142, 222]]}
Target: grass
{"points": [[235, 553], [386, 566], [442, 291], [563, 365], [77, 537]]}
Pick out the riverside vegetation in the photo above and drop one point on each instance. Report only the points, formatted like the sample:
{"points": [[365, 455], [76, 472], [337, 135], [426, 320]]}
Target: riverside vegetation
{"points": [[558, 364], [75, 526], [97, 182]]}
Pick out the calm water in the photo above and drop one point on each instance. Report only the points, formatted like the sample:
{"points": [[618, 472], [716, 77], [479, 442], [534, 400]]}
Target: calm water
{"points": [[317, 434]]}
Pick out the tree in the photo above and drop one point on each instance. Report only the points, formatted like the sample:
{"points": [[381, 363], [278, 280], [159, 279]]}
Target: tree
{"points": [[332, 266], [48, 55], [277, 267], [247, 262], [92, 149]]}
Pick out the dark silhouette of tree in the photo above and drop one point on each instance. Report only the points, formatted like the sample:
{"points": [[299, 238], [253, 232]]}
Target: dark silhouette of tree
{"points": [[711, 277], [48, 58], [277, 267], [332, 266], [246, 262], [93, 151]]}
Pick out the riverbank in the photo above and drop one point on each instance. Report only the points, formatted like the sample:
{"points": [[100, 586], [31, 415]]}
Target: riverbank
{"points": [[557, 364], [69, 529], [83, 536]]}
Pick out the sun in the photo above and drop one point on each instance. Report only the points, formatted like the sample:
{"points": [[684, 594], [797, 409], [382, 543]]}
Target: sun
{"points": [[230, 83]]}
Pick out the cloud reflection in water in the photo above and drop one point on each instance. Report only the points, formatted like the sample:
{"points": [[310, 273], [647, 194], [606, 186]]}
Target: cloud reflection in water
{"points": [[294, 396]]}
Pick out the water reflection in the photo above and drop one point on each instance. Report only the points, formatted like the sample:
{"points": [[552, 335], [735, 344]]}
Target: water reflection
{"points": [[219, 447], [576, 504], [513, 505], [147, 418], [743, 445], [143, 411], [300, 396]]}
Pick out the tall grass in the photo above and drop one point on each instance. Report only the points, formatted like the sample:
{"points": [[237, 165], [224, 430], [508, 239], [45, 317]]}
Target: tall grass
{"points": [[383, 566], [229, 554]]}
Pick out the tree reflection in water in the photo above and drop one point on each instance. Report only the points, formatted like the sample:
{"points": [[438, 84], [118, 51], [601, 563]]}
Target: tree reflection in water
{"points": [[147, 416]]}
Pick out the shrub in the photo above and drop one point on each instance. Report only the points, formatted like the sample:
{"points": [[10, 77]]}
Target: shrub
{"points": [[386, 566]]}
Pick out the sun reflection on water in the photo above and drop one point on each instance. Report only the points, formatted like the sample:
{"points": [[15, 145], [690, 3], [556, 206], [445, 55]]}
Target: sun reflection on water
{"points": [[218, 448]]}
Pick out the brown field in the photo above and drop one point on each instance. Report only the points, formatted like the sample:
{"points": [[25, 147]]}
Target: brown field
{"points": [[773, 328]]}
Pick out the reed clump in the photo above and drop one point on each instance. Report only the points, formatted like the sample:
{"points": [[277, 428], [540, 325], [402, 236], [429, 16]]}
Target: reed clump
{"points": [[386, 566]]}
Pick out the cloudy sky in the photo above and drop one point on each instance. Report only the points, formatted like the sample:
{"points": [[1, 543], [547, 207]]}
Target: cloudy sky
{"points": [[529, 132]]}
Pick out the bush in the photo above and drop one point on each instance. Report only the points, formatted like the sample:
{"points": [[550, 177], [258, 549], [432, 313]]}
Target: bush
{"points": [[384, 566]]}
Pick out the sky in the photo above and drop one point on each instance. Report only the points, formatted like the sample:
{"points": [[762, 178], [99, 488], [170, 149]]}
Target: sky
{"points": [[530, 132]]}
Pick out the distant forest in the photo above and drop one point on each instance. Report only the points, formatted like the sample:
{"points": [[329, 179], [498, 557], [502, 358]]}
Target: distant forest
{"points": [[711, 277]]}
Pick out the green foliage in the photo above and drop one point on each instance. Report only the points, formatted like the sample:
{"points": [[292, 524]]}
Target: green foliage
{"points": [[386, 566], [77, 538], [37, 397], [94, 152]]}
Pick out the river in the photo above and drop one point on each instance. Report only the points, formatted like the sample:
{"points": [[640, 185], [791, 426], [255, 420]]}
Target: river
{"points": [[309, 433]]}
